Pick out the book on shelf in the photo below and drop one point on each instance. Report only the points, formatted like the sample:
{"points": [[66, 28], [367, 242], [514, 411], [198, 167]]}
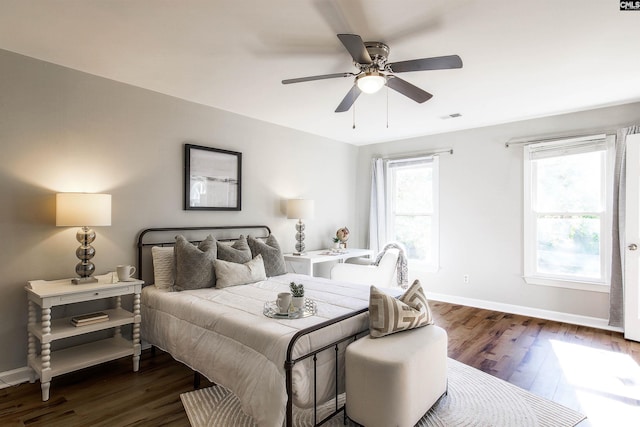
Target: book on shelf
{"points": [[89, 319], [90, 322]]}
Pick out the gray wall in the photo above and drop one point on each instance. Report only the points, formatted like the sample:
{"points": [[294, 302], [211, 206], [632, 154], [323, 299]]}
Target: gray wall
{"points": [[481, 201], [63, 130]]}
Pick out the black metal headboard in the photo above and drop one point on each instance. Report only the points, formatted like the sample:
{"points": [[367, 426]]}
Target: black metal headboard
{"points": [[165, 236]]}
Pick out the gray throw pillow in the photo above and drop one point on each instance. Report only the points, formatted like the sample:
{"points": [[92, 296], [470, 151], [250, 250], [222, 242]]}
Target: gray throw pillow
{"points": [[239, 252], [271, 254], [194, 264], [232, 273]]}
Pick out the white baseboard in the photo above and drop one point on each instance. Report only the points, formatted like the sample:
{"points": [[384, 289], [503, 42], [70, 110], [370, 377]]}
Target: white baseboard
{"points": [[574, 319], [15, 377]]}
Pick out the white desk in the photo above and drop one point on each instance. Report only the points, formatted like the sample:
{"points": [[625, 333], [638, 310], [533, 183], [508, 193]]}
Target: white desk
{"points": [[307, 260]]}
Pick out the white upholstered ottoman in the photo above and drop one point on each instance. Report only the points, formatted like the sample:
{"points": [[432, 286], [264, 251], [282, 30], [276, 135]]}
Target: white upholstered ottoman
{"points": [[394, 380]]}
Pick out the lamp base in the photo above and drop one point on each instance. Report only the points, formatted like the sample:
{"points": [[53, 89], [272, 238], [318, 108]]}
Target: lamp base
{"points": [[300, 238], [85, 268], [84, 280]]}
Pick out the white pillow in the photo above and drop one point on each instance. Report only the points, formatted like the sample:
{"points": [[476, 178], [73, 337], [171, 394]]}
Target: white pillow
{"points": [[232, 273], [163, 266]]}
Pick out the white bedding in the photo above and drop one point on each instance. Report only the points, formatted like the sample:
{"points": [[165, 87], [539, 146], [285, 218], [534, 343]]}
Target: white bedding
{"points": [[223, 334]]}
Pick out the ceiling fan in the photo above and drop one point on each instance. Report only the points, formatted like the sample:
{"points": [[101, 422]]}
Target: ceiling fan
{"points": [[374, 71]]}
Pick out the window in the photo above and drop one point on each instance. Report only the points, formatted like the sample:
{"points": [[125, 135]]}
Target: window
{"points": [[567, 212], [412, 204]]}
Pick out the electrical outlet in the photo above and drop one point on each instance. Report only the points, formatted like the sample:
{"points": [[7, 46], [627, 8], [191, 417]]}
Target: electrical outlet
{"points": [[465, 278]]}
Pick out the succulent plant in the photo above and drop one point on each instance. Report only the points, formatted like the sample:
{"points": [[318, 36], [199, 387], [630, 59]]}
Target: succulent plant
{"points": [[297, 290]]}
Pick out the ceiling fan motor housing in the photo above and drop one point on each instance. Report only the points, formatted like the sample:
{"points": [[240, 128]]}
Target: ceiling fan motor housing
{"points": [[379, 52]]}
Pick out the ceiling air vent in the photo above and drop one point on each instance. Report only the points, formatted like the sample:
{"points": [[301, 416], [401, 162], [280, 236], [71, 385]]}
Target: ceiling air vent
{"points": [[451, 116]]}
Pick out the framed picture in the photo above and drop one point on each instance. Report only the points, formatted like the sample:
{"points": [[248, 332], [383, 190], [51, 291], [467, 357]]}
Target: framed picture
{"points": [[212, 179]]}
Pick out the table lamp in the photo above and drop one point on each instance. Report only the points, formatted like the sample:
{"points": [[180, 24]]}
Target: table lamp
{"points": [[300, 209], [83, 210]]}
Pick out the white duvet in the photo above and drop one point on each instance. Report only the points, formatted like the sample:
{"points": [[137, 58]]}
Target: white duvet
{"points": [[223, 334]]}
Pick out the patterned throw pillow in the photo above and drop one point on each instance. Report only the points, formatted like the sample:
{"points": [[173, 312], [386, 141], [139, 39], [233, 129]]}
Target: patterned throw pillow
{"points": [[271, 254], [194, 264], [239, 252], [388, 315], [163, 266], [232, 274]]}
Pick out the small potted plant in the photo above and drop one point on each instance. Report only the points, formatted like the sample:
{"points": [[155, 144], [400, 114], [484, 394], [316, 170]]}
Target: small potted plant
{"points": [[297, 293], [340, 241]]}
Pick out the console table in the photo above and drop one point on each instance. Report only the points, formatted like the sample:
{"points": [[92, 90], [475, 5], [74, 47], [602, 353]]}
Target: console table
{"points": [[47, 294]]}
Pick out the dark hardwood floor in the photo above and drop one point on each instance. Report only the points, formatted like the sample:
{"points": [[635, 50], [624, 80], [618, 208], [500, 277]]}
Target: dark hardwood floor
{"points": [[593, 371]]}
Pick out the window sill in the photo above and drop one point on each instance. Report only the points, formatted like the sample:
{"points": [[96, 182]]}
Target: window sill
{"points": [[567, 284]]}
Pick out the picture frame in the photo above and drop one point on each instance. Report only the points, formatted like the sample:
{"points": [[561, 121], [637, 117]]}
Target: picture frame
{"points": [[212, 179]]}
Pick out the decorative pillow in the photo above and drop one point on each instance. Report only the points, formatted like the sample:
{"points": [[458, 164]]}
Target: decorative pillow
{"points": [[194, 264], [163, 266], [232, 274], [271, 254], [388, 315], [239, 252]]}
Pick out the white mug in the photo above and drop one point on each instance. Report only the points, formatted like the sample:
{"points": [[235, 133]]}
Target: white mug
{"points": [[125, 272], [283, 302]]}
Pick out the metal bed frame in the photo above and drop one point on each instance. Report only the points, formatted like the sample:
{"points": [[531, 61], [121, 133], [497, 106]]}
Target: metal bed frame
{"points": [[290, 361]]}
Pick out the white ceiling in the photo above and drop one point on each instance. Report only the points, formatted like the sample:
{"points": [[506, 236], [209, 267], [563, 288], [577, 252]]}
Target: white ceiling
{"points": [[522, 59]]}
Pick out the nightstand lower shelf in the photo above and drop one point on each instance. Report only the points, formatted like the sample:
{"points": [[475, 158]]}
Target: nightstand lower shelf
{"points": [[83, 356]]}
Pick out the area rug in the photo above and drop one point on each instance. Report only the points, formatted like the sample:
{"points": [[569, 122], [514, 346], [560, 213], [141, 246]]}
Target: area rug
{"points": [[474, 399]]}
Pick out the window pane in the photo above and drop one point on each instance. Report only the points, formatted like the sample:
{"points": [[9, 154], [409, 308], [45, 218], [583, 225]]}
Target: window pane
{"points": [[414, 232], [569, 183], [413, 190], [569, 246]]}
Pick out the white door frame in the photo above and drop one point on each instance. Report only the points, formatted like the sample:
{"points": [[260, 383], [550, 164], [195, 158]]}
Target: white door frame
{"points": [[632, 241]]}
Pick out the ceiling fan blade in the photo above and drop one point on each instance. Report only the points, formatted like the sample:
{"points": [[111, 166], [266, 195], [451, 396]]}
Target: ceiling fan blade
{"points": [[344, 16], [408, 90], [356, 48], [435, 63], [348, 100], [320, 77]]}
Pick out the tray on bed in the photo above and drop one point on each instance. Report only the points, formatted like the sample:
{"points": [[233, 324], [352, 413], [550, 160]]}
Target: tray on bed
{"points": [[308, 309]]}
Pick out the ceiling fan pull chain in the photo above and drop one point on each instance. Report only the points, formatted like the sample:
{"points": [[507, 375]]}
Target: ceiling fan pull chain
{"points": [[354, 116], [387, 107]]}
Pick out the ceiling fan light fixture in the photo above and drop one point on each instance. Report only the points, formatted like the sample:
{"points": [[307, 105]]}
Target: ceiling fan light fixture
{"points": [[371, 81]]}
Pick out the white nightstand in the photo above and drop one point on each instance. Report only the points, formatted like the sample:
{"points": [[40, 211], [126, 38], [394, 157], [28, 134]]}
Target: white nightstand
{"points": [[47, 294], [309, 259]]}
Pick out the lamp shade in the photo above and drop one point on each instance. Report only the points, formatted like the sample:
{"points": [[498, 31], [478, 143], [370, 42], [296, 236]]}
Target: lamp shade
{"points": [[83, 210], [300, 209]]}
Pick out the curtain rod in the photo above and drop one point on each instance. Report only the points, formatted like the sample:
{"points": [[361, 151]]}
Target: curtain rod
{"points": [[420, 154], [520, 141]]}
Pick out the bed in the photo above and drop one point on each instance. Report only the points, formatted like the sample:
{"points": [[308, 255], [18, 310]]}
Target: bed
{"points": [[272, 365]]}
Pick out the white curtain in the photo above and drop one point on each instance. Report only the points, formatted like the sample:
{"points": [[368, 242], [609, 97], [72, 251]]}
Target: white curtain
{"points": [[378, 208], [380, 203], [616, 293]]}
